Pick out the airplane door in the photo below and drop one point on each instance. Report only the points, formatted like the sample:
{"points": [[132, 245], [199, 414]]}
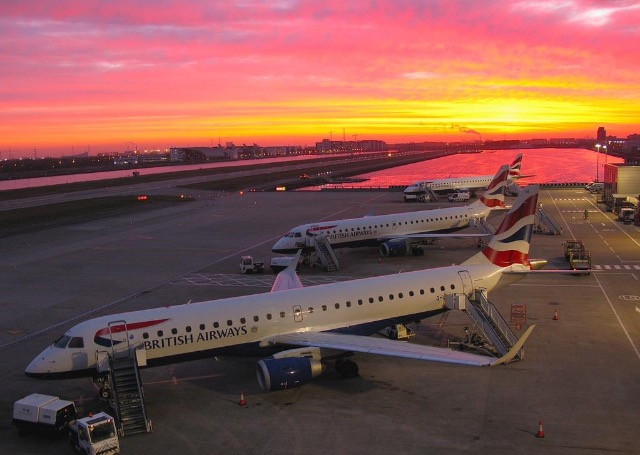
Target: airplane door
{"points": [[119, 335], [297, 313], [467, 283]]}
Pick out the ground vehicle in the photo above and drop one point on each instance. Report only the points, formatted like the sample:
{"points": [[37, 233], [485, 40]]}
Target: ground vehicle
{"points": [[595, 187], [250, 265], [627, 215], [43, 412], [459, 196], [580, 260], [94, 435], [572, 246], [279, 263]]}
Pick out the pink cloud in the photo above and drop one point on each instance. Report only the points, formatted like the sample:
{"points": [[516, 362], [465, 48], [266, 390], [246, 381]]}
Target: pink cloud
{"points": [[102, 60]]}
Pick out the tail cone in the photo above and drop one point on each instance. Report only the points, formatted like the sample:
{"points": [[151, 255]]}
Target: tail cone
{"points": [[540, 433], [242, 402]]}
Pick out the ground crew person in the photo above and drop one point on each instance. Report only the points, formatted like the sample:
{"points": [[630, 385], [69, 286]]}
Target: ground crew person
{"points": [[586, 214]]}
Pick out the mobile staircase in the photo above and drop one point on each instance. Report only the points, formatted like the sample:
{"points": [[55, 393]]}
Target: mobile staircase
{"points": [[128, 397], [488, 320], [123, 384], [551, 225], [325, 253], [485, 226]]}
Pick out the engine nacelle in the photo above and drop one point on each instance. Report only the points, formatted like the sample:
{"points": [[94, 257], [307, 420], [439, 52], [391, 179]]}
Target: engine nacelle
{"points": [[393, 248], [286, 373]]}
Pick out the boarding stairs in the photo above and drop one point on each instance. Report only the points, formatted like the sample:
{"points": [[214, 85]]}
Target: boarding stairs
{"points": [[512, 189], [325, 253], [546, 220], [485, 226], [487, 319], [128, 397], [429, 194]]}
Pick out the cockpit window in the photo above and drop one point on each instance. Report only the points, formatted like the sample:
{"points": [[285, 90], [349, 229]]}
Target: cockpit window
{"points": [[76, 342], [298, 234], [62, 342]]}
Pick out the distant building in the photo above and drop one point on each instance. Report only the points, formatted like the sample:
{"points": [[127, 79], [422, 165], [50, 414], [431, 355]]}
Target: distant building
{"points": [[180, 154], [601, 135]]}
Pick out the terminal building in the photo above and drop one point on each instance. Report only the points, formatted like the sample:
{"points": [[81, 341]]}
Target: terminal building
{"points": [[621, 185]]}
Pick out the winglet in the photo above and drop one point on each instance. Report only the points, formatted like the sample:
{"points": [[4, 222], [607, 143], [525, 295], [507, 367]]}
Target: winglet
{"points": [[508, 357], [288, 278]]}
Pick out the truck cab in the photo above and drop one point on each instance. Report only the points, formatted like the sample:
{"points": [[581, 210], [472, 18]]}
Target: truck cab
{"points": [[95, 435]]}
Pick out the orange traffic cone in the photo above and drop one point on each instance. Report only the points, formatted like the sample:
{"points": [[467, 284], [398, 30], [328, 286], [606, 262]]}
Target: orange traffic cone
{"points": [[540, 430], [242, 402], [555, 315]]}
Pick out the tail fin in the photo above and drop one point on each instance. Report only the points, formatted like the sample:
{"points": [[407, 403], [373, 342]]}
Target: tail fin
{"points": [[493, 197], [510, 244], [516, 168]]}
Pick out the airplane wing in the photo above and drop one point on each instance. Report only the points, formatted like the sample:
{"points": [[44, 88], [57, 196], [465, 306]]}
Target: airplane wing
{"points": [[384, 346], [288, 278]]}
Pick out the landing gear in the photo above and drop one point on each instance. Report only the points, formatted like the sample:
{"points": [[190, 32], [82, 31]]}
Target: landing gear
{"points": [[417, 251], [347, 368]]}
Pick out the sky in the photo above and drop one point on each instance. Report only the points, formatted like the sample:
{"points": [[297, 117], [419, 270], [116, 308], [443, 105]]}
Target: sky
{"points": [[104, 76]]}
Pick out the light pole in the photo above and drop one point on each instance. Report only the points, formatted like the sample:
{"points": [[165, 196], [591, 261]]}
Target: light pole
{"points": [[598, 162]]}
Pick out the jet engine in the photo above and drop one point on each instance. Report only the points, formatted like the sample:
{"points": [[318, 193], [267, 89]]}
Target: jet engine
{"points": [[287, 372], [393, 248]]}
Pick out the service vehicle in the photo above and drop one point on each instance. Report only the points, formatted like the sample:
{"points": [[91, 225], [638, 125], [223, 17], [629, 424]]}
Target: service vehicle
{"points": [[626, 215], [572, 246], [249, 265], [43, 412], [595, 187], [460, 196], [581, 261], [94, 435]]}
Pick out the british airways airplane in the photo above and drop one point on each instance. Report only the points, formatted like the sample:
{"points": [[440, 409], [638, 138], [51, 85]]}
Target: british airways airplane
{"points": [[298, 330], [417, 190], [398, 233]]}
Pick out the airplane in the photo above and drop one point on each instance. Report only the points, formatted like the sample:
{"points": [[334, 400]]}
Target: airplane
{"points": [[299, 330], [416, 191], [397, 233]]}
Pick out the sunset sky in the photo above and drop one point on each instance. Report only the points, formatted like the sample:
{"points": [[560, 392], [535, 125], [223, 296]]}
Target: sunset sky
{"points": [[121, 74]]}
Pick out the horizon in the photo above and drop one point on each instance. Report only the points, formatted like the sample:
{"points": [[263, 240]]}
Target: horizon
{"points": [[107, 77]]}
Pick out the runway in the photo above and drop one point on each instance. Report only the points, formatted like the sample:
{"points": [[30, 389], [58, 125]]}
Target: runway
{"points": [[579, 375]]}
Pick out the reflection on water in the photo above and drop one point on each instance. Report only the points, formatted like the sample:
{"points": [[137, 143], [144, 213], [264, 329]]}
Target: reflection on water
{"points": [[545, 166]]}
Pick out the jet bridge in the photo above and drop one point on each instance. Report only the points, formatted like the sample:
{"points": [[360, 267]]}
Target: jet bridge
{"points": [[487, 319]]}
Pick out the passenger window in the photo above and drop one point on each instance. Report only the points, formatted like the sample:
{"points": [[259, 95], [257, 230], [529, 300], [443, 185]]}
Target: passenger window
{"points": [[243, 321], [62, 341], [360, 302], [269, 316], [201, 326], [145, 335], [310, 309], [337, 305], [174, 331], [256, 319], [216, 325], [410, 293], [370, 299], [442, 288], [324, 307], [380, 298], [229, 322], [453, 286], [282, 314], [160, 333], [348, 304], [188, 329], [400, 295], [76, 342], [390, 296]]}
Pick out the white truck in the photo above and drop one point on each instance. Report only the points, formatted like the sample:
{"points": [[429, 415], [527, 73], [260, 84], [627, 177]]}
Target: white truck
{"points": [[250, 265], [43, 412], [459, 196], [279, 263], [95, 435]]}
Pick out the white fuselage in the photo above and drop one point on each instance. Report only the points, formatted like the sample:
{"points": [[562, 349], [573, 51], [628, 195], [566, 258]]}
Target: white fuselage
{"points": [[240, 324], [474, 183], [372, 230]]}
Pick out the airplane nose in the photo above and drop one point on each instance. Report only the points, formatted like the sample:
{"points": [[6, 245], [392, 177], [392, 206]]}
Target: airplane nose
{"points": [[41, 366]]}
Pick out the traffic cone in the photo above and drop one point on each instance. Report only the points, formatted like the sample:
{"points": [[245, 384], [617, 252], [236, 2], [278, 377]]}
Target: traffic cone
{"points": [[555, 315], [242, 402], [540, 430]]}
